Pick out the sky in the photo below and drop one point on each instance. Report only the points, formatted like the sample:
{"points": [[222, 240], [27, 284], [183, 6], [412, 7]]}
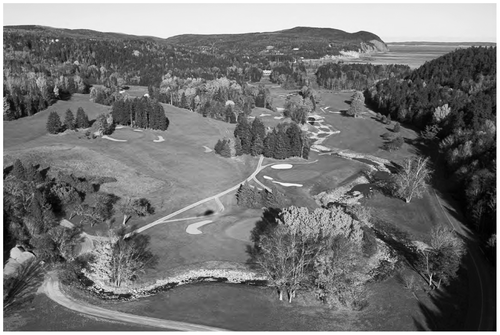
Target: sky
{"points": [[392, 22]]}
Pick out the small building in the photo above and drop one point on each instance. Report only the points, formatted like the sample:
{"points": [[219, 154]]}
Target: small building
{"points": [[266, 72]]}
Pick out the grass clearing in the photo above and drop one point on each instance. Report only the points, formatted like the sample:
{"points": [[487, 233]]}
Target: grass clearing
{"points": [[19, 132]]}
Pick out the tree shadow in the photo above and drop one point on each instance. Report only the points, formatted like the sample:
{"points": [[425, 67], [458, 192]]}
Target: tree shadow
{"points": [[446, 309]]}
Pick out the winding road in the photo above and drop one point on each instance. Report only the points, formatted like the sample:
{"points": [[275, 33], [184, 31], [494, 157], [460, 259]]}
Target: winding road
{"points": [[51, 288]]}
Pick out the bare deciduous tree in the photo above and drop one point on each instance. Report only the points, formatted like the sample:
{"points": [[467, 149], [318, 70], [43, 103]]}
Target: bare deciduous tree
{"points": [[411, 180]]}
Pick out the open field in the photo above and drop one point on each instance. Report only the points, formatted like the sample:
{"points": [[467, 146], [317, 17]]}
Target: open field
{"points": [[250, 308]]}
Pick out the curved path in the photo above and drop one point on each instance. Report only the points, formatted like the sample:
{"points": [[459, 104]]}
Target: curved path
{"points": [[52, 290]]}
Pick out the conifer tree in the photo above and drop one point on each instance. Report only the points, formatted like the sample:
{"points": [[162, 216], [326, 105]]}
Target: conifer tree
{"points": [[258, 129], [237, 147], [257, 146], [397, 128], [184, 103], [282, 148], [226, 149], [53, 123], [293, 133], [82, 120], [269, 144], [69, 120], [218, 147], [243, 131]]}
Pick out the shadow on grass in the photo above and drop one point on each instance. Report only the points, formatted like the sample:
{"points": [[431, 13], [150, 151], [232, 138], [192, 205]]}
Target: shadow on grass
{"points": [[446, 309]]}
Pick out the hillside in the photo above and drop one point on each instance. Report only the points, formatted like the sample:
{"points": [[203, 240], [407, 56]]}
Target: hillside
{"points": [[300, 41]]}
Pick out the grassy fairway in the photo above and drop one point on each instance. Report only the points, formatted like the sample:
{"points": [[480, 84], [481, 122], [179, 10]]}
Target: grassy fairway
{"points": [[225, 240], [238, 307]]}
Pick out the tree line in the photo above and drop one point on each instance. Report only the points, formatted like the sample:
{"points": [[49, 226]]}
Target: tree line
{"points": [[341, 76], [141, 113], [283, 141]]}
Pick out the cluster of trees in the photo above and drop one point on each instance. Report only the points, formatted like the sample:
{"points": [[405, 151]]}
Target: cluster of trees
{"points": [[285, 140], [222, 99], [439, 261], [141, 113], [452, 99], [55, 126], [319, 252], [289, 75], [34, 204], [357, 104], [340, 76], [31, 206], [251, 197], [121, 258]]}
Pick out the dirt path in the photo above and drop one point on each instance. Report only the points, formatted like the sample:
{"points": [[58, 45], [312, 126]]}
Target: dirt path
{"points": [[52, 290]]}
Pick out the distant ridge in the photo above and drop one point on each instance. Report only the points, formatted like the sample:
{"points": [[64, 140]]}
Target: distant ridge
{"points": [[443, 43], [308, 42], [322, 40]]}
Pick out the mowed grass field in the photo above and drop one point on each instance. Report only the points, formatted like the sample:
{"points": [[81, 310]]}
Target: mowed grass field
{"points": [[172, 174], [250, 308]]}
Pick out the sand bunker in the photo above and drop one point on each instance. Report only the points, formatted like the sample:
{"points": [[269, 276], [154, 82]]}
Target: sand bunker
{"points": [[119, 127], [138, 130], [261, 115], [278, 117], [268, 178], [193, 228], [207, 149], [160, 139], [113, 139], [287, 184], [282, 166]]}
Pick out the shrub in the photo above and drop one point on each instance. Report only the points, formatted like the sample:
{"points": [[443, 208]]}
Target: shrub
{"points": [[393, 145], [54, 123], [387, 136]]}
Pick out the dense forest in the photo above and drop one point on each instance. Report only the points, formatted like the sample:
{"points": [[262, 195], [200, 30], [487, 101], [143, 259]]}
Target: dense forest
{"points": [[340, 76], [452, 99]]}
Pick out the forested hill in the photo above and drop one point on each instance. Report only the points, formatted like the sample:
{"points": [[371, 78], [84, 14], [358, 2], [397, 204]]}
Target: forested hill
{"points": [[308, 42], [453, 100], [77, 33]]}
